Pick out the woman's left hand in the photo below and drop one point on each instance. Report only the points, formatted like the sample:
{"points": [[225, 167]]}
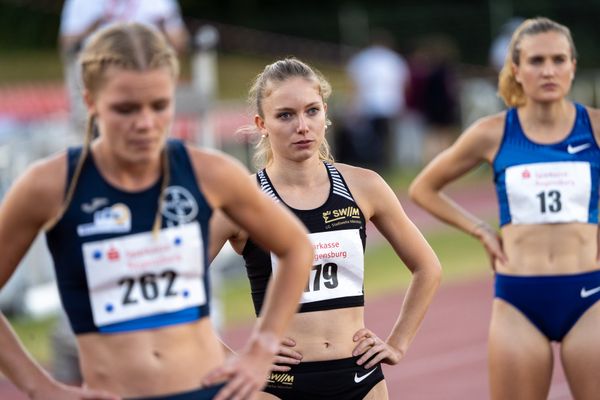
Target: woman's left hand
{"points": [[374, 350]]}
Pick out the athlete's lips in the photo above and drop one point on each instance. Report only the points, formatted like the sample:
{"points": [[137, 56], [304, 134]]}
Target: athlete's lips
{"points": [[303, 142], [141, 142], [549, 86]]}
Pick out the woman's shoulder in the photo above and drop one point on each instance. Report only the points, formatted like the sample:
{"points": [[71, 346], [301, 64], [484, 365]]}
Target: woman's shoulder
{"points": [[488, 125], [41, 187], [359, 178], [594, 116], [219, 174], [352, 172], [482, 138], [211, 161], [48, 172]]}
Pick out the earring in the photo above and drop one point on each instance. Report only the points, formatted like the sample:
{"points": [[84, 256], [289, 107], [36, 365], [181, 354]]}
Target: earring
{"points": [[264, 135]]}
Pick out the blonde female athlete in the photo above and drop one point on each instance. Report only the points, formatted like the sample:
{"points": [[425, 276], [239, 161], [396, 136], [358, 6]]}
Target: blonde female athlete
{"points": [[329, 353], [545, 157]]}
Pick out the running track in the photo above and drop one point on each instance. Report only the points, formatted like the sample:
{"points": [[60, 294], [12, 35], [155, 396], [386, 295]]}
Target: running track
{"points": [[448, 359]]}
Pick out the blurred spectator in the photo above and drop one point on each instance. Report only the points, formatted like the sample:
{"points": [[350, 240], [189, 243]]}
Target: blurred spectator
{"points": [[379, 76], [80, 18], [500, 44], [433, 92]]}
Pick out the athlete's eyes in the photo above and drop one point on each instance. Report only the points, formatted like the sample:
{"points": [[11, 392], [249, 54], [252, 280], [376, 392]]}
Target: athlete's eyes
{"points": [[539, 60], [131, 108], [284, 115], [559, 59], [125, 108], [313, 110], [536, 60], [160, 105]]}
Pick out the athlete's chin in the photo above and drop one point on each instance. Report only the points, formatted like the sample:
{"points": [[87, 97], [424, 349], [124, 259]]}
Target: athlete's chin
{"points": [[550, 96], [139, 156], [304, 156]]}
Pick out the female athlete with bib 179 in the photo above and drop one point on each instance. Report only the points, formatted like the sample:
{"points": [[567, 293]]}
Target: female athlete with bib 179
{"points": [[328, 353]]}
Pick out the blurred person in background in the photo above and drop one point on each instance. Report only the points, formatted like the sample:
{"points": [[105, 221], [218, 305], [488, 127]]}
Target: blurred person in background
{"points": [[80, 18], [546, 161], [433, 93], [379, 76], [328, 353], [500, 44], [126, 218]]}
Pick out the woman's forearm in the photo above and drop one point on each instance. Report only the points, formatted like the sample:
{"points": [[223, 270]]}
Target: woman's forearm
{"points": [[16, 363], [416, 303], [285, 288]]}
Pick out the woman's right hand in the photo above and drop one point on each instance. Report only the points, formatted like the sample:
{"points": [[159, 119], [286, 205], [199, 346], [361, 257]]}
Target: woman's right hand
{"points": [[286, 356], [492, 243], [246, 373]]}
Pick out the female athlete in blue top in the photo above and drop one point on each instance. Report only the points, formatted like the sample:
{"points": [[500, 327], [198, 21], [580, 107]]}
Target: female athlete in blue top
{"points": [[545, 157]]}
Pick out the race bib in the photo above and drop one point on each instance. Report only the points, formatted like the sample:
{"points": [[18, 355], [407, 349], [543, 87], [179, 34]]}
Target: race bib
{"points": [[144, 274], [550, 192], [338, 266]]}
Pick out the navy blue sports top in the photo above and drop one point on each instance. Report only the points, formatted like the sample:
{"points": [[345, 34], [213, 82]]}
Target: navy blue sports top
{"points": [[114, 274], [337, 232], [547, 183]]}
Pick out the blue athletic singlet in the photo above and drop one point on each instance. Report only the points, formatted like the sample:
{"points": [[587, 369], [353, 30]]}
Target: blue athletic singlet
{"points": [[547, 183], [337, 232], [114, 274]]}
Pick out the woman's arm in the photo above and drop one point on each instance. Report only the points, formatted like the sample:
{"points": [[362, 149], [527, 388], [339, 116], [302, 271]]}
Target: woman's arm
{"points": [[33, 200], [222, 229], [478, 144], [228, 186], [380, 205]]}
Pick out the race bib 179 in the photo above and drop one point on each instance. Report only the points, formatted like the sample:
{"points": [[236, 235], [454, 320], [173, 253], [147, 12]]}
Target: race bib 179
{"points": [[338, 266]]}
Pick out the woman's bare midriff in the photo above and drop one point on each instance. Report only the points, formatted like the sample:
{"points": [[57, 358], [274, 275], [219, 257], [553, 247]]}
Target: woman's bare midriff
{"points": [[549, 249], [326, 335], [151, 362]]}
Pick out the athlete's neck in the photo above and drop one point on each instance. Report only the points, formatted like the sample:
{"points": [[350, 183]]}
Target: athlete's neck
{"points": [[125, 175], [546, 113], [547, 121], [305, 174]]}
